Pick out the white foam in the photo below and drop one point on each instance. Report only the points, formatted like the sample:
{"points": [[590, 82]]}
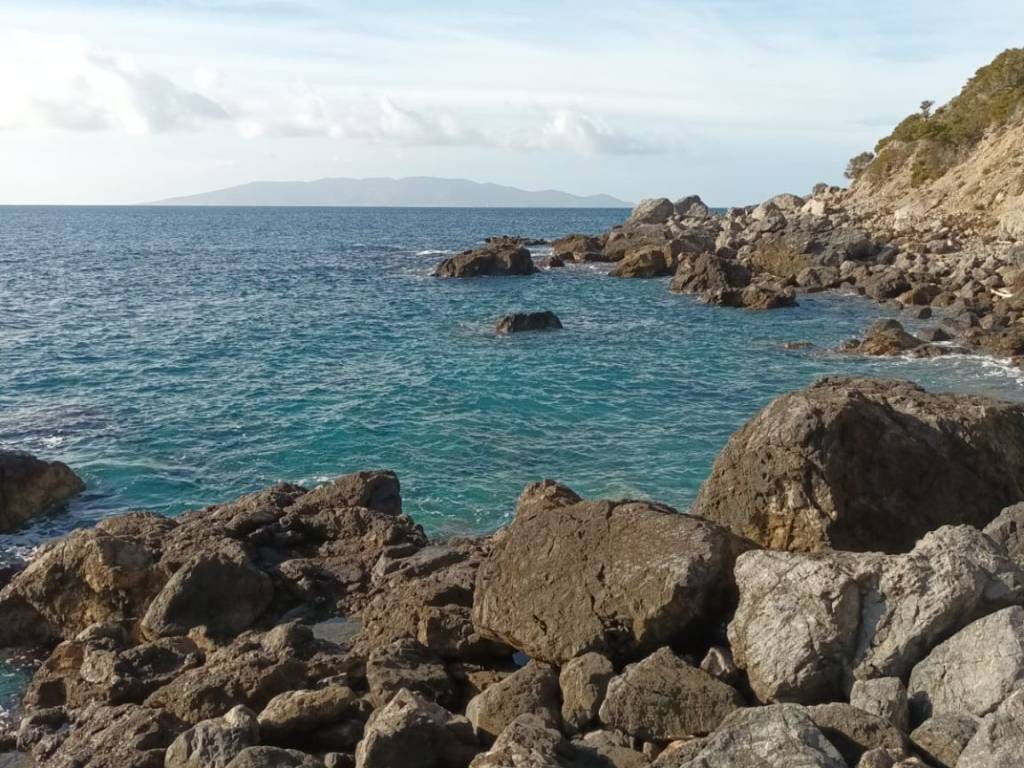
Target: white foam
{"points": [[54, 441], [430, 252]]}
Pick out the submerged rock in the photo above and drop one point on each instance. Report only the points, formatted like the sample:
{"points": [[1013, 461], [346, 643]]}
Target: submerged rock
{"points": [[528, 321], [613, 577], [494, 260], [866, 464], [30, 486]]}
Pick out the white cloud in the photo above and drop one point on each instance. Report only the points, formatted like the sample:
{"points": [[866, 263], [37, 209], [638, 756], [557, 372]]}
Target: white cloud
{"points": [[584, 135], [66, 83]]}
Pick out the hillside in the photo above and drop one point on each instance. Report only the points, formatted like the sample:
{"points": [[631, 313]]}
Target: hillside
{"points": [[964, 162], [411, 192]]}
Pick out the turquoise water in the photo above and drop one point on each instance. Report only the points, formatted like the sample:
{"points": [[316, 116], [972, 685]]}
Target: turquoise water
{"points": [[179, 357]]}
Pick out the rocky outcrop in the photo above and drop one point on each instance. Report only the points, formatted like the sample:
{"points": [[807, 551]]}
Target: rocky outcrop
{"points": [[652, 261], [828, 467], [498, 259], [30, 486], [528, 321], [663, 699], [888, 337], [611, 577], [999, 740], [707, 272], [808, 625]]}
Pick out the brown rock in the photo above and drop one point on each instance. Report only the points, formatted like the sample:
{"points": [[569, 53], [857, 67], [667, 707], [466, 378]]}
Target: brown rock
{"points": [[493, 260], [30, 486], [533, 690]]}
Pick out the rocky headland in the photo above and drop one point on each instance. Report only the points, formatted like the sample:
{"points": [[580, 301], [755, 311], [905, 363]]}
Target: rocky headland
{"points": [[814, 608]]}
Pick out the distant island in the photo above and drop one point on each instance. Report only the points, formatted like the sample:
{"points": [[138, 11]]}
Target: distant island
{"points": [[416, 192]]}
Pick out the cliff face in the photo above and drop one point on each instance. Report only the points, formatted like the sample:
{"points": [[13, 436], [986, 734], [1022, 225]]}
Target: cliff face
{"points": [[963, 163]]}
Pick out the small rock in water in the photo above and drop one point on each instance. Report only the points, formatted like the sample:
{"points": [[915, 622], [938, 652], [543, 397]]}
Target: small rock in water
{"points": [[528, 321]]}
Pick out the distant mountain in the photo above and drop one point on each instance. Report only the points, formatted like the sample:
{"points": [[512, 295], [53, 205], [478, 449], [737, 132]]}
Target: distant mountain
{"points": [[421, 191]]}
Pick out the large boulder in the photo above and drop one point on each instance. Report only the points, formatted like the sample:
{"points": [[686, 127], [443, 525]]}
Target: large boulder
{"points": [[853, 731], [941, 739], [1007, 530], [584, 682], [807, 626], [999, 740], [648, 262], [493, 260], [866, 464], [885, 697], [779, 735], [708, 272], [974, 671], [656, 210], [30, 486], [662, 698], [222, 593], [291, 715], [532, 690], [613, 577], [407, 664], [888, 337]]}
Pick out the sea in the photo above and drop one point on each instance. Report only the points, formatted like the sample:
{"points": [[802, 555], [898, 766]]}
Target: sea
{"points": [[179, 357]]}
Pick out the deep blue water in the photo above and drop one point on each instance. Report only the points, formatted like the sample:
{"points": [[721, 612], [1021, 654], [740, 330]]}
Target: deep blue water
{"points": [[179, 357]]}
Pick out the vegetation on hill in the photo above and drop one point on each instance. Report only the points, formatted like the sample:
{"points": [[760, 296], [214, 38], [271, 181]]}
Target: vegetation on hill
{"points": [[933, 142]]}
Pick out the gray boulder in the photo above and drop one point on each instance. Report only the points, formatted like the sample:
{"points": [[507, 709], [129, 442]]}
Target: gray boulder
{"points": [[884, 697], [999, 740], [941, 739], [708, 272], [527, 742], [407, 664], [222, 593], [652, 211], [807, 626], [691, 207], [30, 486], [778, 735], [532, 690], [662, 698], [973, 671], [214, 743], [583, 682], [827, 467], [292, 714], [610, 577]]}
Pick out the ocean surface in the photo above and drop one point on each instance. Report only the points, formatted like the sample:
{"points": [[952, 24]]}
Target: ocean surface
{"points": [[177, 357]]}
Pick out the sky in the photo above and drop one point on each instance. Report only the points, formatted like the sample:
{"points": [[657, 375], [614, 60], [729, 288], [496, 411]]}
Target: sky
{"points": [[127, 101]]}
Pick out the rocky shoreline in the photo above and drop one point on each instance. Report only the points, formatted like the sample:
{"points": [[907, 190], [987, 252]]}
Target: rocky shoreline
{"points": [[765, 256], [814, 608]]}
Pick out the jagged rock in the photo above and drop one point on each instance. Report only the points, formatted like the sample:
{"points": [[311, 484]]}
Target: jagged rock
{"points": [[533, 690], [293, 714], [611, 577], [528, 321], [888, 337], [430, 601], [646, 263], [98, 736], [494, 260], [553, 262], [1007, 530], [30, 486], [662, 698], [813, 279], [583, 682], [828, 466], [808, 625], [652, 211], [853, 731], [719, 663], [778, 735], [81, 671], [219, 592], [231, 676], [884, 285], [973, 671], [576, 247], [941, 739], [413, 733], [407, 664], [708, 272], [273, 757], [884, 697], [214, 743], [999, 740], [691, 207]]}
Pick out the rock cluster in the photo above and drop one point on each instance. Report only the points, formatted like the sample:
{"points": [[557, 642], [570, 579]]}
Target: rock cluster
{"points": [[859, 624], [497, 258]]}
